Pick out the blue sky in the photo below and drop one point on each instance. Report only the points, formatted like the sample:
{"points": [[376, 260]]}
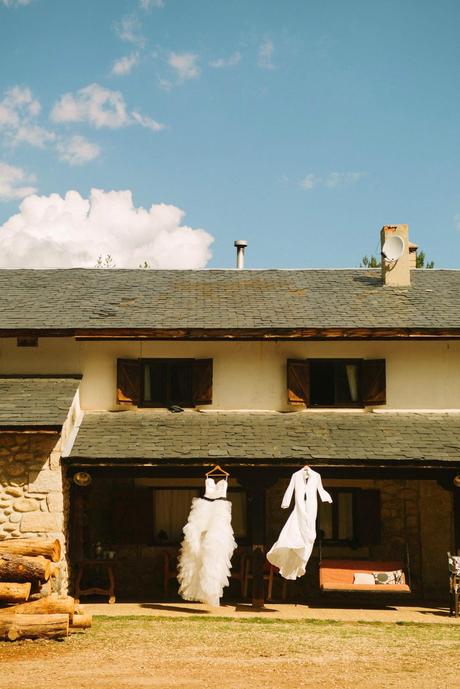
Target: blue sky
{"points": [[300, 126]]}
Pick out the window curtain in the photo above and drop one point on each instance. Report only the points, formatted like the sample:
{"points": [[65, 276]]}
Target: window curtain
{"points": [[239, 519], [171, 510], [352, 377], [147, 387]]}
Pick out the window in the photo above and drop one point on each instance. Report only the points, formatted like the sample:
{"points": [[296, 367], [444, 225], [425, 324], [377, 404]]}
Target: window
{"points": [[172, 506], [164, 382], [352, 518], [167, 382], [336, 382]]}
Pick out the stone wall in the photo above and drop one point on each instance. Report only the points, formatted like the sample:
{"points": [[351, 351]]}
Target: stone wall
{"points": [[32, 490]]}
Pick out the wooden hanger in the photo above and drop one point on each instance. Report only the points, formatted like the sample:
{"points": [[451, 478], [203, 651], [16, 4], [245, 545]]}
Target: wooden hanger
{"points": [[217, 471]]}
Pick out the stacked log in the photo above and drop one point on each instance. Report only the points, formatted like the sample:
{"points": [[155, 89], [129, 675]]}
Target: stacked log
{"points": [[27, 563]]}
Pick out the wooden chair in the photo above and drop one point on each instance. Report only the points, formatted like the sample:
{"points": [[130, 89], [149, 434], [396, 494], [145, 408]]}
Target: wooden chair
{"points": [[269, 574], [239, 567], [169, 569], [454, 583]]}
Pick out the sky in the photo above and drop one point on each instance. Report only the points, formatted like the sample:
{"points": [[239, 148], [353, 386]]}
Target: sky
{"points": [[160, 131]]}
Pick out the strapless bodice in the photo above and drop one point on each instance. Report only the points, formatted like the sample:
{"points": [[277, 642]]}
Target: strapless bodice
{"points": [[215, 490]]}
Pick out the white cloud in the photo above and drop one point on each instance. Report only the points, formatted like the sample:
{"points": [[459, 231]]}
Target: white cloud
{"points": [[11, 179], [77, 150], [33, 135], [94, 104], [55, 232], [16, 3], [125, 64], [18, 112], [146, 5], [332, 180], [231, 61], [147, 122], [265, 54], [340, 179], [101, 108], [129, 30], [185, 65], [309, 181]]}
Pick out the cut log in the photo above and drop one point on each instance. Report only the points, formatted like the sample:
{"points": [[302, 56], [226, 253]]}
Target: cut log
{"points": [[81, 622], [16, 626], [55, 569], [49, 605], [20, 568], [32, 547], [14, 593]]}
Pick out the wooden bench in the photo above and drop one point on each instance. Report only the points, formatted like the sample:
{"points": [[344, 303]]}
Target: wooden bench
{"points": [[337, 575]]}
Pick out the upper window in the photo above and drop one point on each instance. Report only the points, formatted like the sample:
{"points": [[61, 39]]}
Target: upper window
{"points": [[336, 382], [164, 382]]}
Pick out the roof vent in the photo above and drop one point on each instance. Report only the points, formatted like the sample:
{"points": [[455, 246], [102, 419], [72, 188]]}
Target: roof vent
{"points": [[241, 245]]}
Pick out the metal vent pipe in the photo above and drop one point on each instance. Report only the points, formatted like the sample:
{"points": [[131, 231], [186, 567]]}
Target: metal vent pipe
{"points": [[241, 245]]}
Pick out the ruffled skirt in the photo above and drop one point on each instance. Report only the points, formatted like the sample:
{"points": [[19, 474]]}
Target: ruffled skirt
{"points": [[204, 560]]}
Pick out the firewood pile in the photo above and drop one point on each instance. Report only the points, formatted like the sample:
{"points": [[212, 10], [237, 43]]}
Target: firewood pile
{"points": [[28, 609]]}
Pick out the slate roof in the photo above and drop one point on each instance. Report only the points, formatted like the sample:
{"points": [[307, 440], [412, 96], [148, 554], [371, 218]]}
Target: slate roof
{"points": [[268, 437], [35, 402], [78, 299]]}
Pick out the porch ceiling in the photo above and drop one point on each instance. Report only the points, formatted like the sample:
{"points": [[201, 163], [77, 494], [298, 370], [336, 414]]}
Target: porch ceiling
{"points": [[349, 439], [35, 402]]}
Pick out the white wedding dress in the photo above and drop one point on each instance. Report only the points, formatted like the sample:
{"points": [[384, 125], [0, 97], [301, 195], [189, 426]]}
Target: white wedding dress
{"points": [[204, 560], [294, 546]]}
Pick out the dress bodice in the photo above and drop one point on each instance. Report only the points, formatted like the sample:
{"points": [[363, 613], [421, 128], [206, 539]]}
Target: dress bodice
{"points": [[215, 490]]}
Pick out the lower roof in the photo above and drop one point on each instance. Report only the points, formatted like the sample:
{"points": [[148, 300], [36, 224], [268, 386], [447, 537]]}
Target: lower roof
{"points": [[348, 439], [35, 402]]}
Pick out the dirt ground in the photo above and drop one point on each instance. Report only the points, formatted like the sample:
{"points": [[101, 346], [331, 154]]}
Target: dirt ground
{"points": [[226, 653]]}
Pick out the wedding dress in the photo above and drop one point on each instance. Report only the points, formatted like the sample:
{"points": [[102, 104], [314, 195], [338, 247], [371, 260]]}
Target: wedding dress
{"points": [[292, 550], [204, 559]]}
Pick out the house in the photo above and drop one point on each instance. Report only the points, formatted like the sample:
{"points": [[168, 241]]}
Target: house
{"points": [[354, 372]]}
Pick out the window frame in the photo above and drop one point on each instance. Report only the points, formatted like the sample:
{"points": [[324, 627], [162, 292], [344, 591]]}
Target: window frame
{"points": [[335, 540], [359, 404]]}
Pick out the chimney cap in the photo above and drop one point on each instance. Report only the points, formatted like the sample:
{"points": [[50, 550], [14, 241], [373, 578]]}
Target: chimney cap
{"points": [[240, 243]]}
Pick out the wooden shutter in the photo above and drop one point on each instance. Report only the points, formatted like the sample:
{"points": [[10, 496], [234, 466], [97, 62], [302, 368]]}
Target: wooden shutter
{"points": [[202, 381], [367, 517], [298, 381], [128, 380], [373, 381]]}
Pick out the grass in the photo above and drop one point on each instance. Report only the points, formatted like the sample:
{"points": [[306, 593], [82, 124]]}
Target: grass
{"points": [[209, 651]]}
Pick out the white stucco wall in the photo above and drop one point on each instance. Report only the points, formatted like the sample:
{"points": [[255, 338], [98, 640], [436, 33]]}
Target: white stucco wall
{"points": [[248, 375]]}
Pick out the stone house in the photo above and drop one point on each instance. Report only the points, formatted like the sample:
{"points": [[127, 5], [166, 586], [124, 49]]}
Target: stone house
{"points": [[354, 372]]}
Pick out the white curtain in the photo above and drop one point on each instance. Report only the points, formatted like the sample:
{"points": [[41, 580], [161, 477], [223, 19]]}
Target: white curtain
{"points": [[238, 500], [352, 377], [147, 390], [171, 510]]}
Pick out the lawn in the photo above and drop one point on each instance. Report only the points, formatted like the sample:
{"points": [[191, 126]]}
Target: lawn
{"points": [[188, 652]]}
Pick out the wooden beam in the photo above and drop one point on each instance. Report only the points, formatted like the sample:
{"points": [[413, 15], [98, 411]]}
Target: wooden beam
{"points": [[240, 334]]}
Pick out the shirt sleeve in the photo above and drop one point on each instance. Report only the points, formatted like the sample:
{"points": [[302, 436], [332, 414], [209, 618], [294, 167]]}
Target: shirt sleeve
{"points": [[288, 494], [323, 494]]}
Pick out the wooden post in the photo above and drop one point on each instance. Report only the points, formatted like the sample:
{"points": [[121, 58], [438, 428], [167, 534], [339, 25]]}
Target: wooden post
{"points": [[256, 483]]}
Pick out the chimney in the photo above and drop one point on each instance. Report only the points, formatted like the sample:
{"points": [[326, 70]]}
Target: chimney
{"points": [[241, 245], [396, 273], [412, 255]]}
